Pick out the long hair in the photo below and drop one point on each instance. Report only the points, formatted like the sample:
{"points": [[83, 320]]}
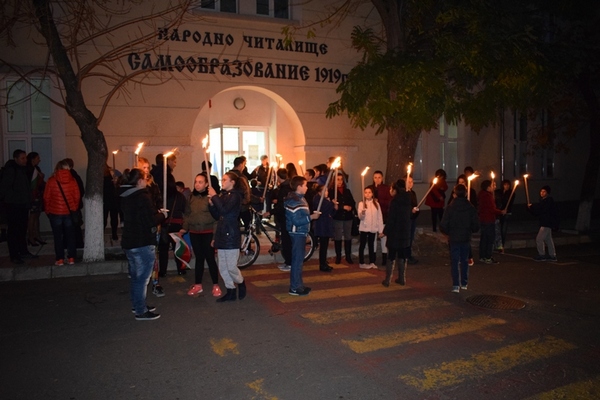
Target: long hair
{"points": [[133, 176], [375, 202]]}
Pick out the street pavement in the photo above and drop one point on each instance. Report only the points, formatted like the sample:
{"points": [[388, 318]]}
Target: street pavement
{"points": [[351, 338]]}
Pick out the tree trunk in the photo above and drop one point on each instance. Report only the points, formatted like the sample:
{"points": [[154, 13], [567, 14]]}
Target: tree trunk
{"points": [[92, 137], [401, 147], [592, 167]]}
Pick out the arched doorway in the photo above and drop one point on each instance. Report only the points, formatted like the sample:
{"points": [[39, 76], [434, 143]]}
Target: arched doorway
{"points": [[249, 121]]}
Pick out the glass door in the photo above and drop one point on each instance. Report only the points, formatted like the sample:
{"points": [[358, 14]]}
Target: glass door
{"points": [[227, 143]]}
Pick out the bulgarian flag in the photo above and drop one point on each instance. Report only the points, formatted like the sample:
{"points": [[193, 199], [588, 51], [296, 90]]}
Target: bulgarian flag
{"points": [[182, 250]]}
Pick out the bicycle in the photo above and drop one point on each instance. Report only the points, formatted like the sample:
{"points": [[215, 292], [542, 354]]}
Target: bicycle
{"points": [[250, 245]]}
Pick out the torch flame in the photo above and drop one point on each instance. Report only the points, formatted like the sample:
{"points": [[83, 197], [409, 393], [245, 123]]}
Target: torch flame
{"points": [[205, 142], [169, 154], [409, 169], [472, 177], [300, 162], [115, 152], [435, 180], [336, 163], [526, 176], [139, 148], [516, 182], [493, 175], [364, 172]]}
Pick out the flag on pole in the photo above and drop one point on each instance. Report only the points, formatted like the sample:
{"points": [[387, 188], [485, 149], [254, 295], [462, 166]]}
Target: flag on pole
{"points": [[182, 250]]}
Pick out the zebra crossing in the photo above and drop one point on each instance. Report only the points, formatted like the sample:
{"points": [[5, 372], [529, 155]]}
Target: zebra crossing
{"points": [[498, 346]]}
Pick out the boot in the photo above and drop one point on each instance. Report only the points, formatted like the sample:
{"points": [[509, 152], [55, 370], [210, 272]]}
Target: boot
{"points": [[348, 251], [338, 251], [229, 296], [383, 259], [241, 290], [389, 271], [401, 272], [323, 266]]}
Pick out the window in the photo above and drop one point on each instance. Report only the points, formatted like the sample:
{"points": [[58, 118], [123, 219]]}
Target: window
{"points": [[273, 8], [27, 120], [519, 144], [449, 148], [547, 153], [228, 6], [417, 169]]}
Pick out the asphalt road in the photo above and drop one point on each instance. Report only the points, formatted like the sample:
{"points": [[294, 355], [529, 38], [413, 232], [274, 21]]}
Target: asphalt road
{"points": [[351, 338]]}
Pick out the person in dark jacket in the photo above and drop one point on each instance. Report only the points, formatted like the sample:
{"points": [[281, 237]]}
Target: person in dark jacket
{"points": [[487, 218], [459, 222], [502, 197], [225, 208], [383, 196], [280, 195], [437, 198], [323, 226], [15, 192], [141, 219], [176, 207], [397, 230], [546, 212], [342, 220]]}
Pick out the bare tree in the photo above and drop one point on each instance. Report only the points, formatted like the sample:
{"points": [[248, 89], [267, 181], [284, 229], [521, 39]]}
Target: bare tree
{"points": [[84, 40]]}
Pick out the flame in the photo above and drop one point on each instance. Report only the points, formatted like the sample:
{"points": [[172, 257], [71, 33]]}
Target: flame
{"points": [[435, 180], [169, 154], [139, 148], [282, 165], [205, 141], [470, 178], [525, 176], [336, 163], [300, 162], [516, 182], [364, 172], [409, 168], [493, 175], [115, 152]]}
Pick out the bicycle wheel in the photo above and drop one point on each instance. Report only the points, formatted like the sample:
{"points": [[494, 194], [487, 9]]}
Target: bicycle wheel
{"points": [[249, 250], [310, 247]]}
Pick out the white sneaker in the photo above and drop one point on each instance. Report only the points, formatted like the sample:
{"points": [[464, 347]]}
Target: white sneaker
{"points": [[372, 266], [455, 289], [285, 267], [364, 266]]}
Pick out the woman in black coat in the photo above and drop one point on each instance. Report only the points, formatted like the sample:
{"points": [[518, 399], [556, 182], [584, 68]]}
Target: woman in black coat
{"points": [[342, 220], [323, 226], [397, 230]]}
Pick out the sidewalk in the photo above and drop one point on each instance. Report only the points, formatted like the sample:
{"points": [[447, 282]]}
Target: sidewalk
{"points": [[521, 234]]}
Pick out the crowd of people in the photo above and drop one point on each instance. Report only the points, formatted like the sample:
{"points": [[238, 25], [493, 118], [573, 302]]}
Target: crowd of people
{"points": [[209, 217]]}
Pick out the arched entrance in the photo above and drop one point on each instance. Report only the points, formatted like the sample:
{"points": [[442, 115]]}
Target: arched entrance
{"points": [[249, 121]]}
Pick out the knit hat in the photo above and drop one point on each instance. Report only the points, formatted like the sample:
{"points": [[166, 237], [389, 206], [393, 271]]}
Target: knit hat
{"points": [[547, 189]]}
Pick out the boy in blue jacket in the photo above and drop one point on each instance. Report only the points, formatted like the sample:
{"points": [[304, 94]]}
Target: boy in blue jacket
{"points": [[297, 218]]}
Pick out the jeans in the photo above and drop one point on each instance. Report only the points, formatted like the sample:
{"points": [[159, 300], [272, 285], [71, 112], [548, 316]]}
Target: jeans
{"points": [[298, 245], [459, 253], [141, 262], [63, 224], [544, 236], [486, 242]]}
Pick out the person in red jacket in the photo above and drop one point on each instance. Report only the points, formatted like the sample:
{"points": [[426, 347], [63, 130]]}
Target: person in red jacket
{"points": [[61, 196], [487, 218], [436, 199]]}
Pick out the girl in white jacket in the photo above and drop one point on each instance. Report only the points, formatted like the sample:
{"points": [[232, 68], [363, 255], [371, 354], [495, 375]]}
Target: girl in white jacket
{"points": [[371, 224]]}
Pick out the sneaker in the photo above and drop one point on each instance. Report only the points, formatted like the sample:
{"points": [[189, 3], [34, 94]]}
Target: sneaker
{"points": [[491, 261], [482, 260], [285, 267], [455, 289], [195, 289], [552, 258], [372, 266], [147, 316], [71, 261], [216, 291], [364, 266], [539, 258], [148, 308], [471, 262], [299, 291], [59, 262], [157, 290], [463, 287]]}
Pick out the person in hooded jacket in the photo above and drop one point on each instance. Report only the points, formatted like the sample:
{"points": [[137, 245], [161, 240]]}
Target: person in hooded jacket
{"points": [[200, 224], [459, 222], [61, 197], [138, 239], [225, 208], [397, 230]]}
